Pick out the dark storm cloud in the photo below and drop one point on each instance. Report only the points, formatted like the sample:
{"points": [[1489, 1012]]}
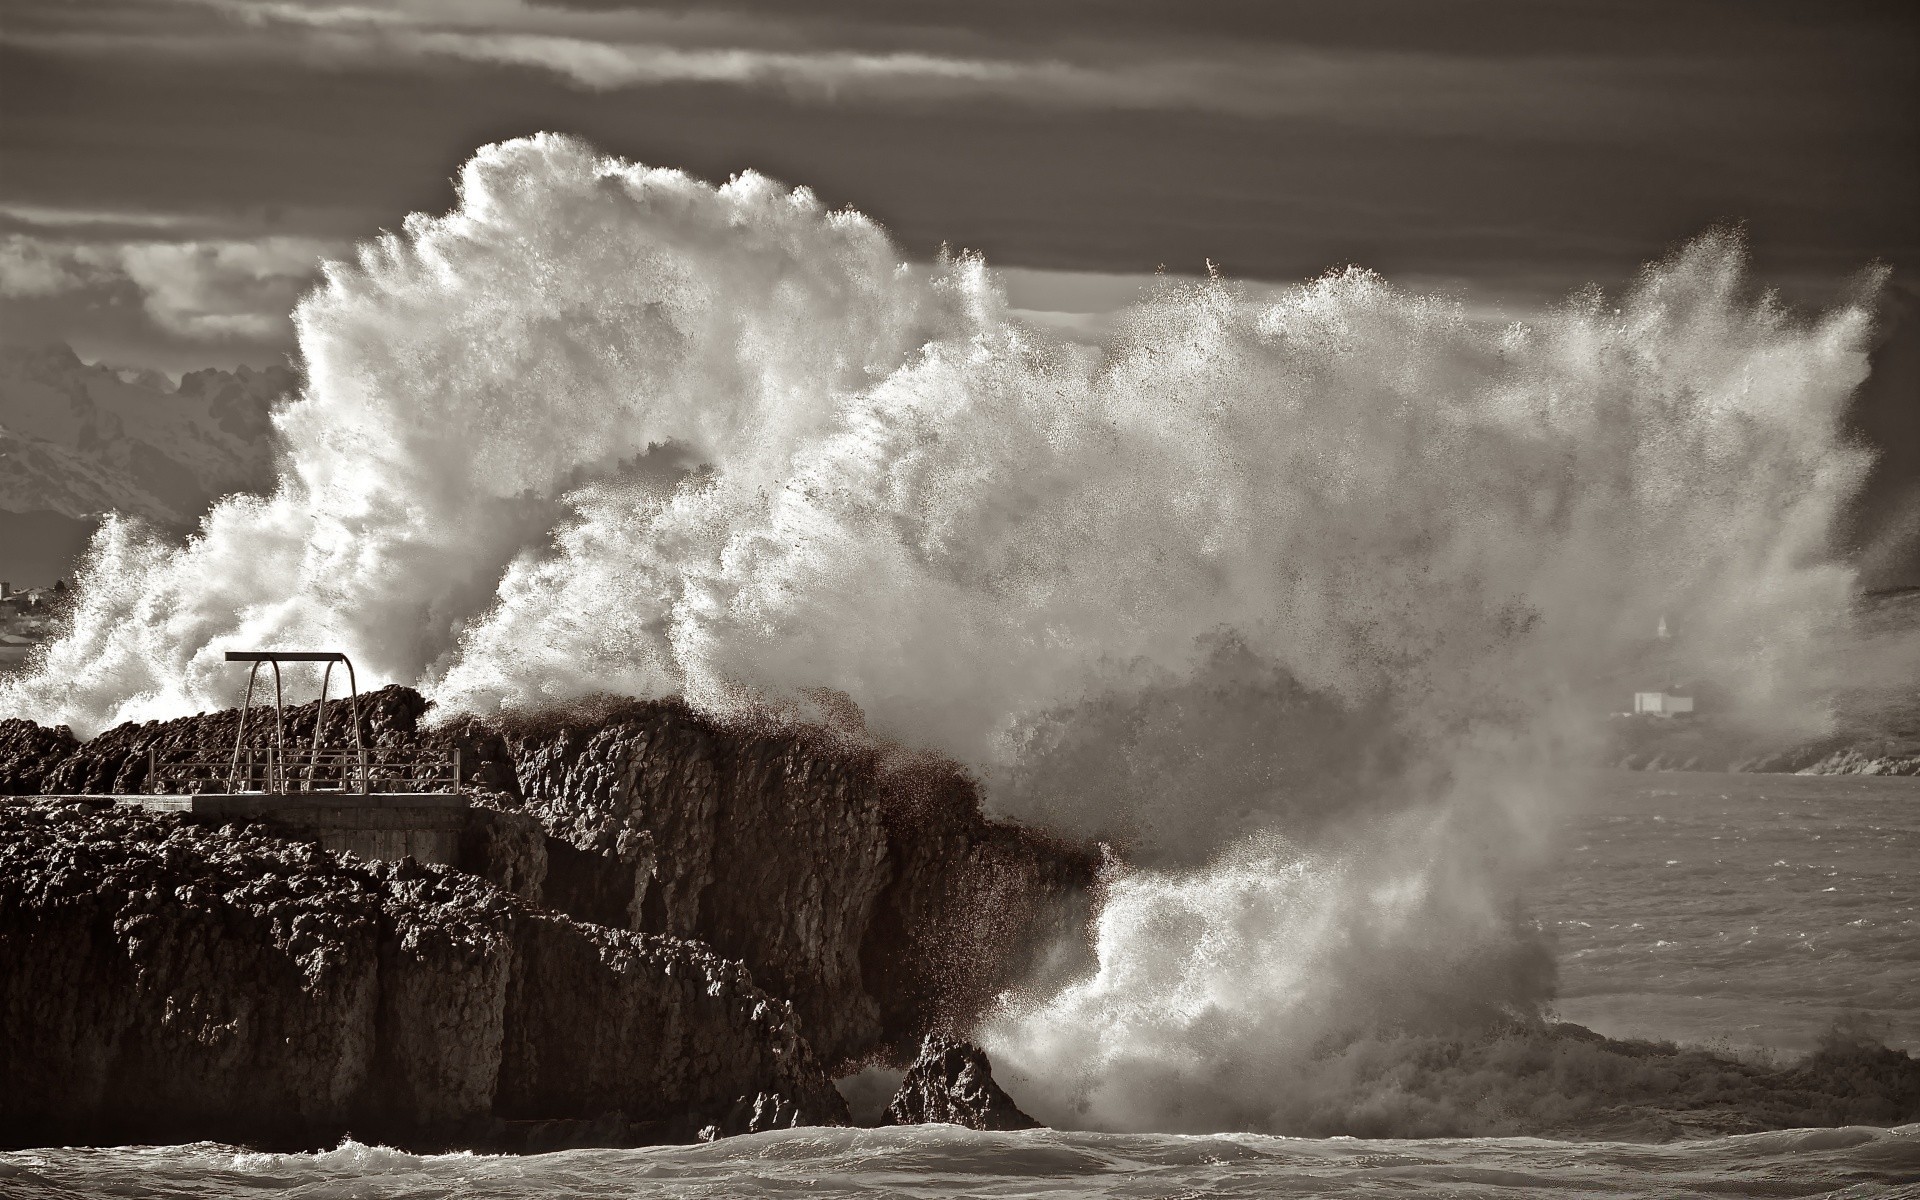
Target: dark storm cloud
{"points": [[1286, 65], [1523, 146], [1472, 28]]}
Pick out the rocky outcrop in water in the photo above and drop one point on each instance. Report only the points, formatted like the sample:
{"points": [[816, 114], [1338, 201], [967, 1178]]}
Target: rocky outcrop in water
{"points": [[863, 885], [1868, 707], [868, 888], [167, 981], [951, 1083], [1709, 744]]}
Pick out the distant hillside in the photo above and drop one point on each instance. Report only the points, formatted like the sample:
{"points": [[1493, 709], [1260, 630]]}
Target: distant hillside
{"points": [[77, 441], [1872, 692]]}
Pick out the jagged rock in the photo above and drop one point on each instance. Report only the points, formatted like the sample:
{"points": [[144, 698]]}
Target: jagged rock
{"points": [[864, 886], [29, 752], [1864, 760], [973, 906], [758, 845], [507, 848], [167, 981], [952, 1083], [115, 762]]}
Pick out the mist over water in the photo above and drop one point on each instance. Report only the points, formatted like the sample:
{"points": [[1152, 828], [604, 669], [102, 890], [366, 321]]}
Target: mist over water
{"points": [[1301, 604]]}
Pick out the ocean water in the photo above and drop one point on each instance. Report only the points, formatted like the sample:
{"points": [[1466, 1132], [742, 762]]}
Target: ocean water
{"points": [[1743, 911], [1746, 910], [944, 1161]]}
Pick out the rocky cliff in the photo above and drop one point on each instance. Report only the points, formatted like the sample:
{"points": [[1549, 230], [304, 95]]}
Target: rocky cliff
{"points": [[866, 886], [163, 981], [863, 885]]}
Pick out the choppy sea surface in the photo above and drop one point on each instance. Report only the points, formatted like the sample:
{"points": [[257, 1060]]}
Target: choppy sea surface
{"points": [[1747, 911], [945, 1161]]}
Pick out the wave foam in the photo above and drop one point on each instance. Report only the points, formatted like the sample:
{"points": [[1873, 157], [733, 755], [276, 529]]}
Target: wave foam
{"points": [[1343, 565]]}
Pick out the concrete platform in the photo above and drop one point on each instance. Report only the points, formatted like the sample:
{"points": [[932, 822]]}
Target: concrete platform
{"points": [[385, 825], [250, 804]]}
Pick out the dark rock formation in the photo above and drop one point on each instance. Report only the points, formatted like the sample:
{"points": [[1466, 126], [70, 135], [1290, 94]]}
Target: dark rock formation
{"points": [[971, 908], [37, 761], [952, 1083], [160, 980], [867, 887], [864, 885], [29, 753], [768, 851]]}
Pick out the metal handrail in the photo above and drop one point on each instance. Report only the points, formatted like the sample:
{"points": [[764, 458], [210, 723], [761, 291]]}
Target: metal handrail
{"points": [[320, 720], [246, 708], [358, 772], [277, 772], [277, 780]]}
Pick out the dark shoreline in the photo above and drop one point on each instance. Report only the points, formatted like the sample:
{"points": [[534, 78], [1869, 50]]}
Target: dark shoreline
{"points": [[660, 929], [607, 854]]}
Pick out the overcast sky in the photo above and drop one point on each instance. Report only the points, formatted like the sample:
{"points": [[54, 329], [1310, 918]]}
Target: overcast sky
{"points": [[170, 170]]}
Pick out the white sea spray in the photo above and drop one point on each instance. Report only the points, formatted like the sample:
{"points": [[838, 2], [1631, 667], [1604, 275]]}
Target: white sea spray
{"points": [[1299, 601]]}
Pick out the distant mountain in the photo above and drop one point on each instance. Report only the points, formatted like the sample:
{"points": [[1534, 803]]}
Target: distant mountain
{"points": [[77, 441]]}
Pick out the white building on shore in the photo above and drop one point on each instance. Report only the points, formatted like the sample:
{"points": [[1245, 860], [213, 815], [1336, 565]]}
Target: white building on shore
{"points": [[1660, 704]]}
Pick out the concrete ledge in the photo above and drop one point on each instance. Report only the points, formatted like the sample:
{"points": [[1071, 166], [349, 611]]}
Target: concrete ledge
{"points": [[246, 803], [387, 825], [226, 804]]}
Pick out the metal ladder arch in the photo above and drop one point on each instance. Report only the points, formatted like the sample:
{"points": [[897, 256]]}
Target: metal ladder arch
{"points": [[276, 774]]}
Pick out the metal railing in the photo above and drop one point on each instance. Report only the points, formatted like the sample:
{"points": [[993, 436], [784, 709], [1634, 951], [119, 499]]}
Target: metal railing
{"points": [[268, 771], [278, 769]]}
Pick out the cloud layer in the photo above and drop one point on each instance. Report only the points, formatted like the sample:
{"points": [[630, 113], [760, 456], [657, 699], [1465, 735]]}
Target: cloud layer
{"points": [[186, 281], [1550, 89], [1504, 148]]}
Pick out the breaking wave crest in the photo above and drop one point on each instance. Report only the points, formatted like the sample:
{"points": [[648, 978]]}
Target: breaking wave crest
{"points": [[1295, 601]]}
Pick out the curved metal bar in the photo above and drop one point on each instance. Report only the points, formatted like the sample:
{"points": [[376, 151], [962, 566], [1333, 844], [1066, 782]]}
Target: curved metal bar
{"points": [[319, 726], [359, 746], [282, 773], [276, 770], [240, 737]]}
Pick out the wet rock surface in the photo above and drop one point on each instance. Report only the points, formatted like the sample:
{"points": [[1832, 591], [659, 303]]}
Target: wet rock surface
{"points": [[952, 1083], [29, 753], [645, 890], [865, 886], [51, 762], [861, 892], [868, 887], [166, 981]]}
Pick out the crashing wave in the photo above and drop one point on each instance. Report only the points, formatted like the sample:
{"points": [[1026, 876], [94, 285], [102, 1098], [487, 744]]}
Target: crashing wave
{"points": [[1299, 601]]}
